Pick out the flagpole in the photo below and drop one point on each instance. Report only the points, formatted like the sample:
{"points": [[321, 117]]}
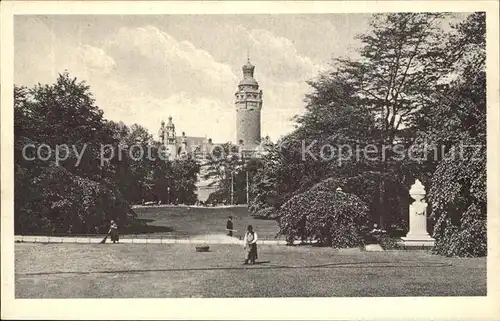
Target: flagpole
{"points": [[247, 190], [232, 189]]}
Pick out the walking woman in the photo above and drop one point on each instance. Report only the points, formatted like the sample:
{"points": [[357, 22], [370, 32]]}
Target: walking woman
{"points": [[250, 241], [113, 231]]}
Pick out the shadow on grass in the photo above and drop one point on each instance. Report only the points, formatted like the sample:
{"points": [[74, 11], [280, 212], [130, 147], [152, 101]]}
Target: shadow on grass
{"points": [[264, 218], [262, 262], [143, 228], [144, 220]]}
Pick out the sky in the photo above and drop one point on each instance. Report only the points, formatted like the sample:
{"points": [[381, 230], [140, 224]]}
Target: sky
{"points": [[143, 68]]}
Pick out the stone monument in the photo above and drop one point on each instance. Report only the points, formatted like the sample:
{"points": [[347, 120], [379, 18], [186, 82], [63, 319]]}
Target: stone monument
{"points": [[417, 234]]}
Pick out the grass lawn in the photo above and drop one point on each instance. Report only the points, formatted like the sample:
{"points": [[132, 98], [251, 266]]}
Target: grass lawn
{"points": [[186, 221], [162, 271]]}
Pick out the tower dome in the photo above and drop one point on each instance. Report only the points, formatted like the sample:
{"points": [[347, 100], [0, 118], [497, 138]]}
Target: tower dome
{"points": [[248, 70], [248, 67], [248, 82]]}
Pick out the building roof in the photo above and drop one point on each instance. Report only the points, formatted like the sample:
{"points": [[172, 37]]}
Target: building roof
{"points": [[192, 140]]}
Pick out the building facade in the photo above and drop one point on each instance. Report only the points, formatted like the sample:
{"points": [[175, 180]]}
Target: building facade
{"points": [[178, 146]]}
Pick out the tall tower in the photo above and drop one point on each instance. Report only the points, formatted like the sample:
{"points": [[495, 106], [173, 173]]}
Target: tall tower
{"points": [[170, 138], [248, 106]]}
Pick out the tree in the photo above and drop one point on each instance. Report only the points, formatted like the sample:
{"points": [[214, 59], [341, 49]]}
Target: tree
{"points": [[50, 199], [326, 143], [400, 68], [63, 113], [456, 124], [133, 153], [372, 101], [185, 174], [225, 168], [273, 180], [73, 195]]}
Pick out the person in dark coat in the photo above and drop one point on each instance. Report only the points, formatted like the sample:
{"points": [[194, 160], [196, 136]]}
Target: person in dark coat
{"points": [[250, 241], [113, 231], [229, 226]]}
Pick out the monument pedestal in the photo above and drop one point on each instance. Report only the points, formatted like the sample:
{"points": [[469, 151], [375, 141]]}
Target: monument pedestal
{"points": [[418, 241]]}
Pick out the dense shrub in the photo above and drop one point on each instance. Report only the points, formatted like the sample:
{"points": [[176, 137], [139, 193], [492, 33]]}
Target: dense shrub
{"points": [[366, 187], [387, 242], [269, 213], [458, 194], [217, 197], [334, 219], [469, 242], [458, 198]]}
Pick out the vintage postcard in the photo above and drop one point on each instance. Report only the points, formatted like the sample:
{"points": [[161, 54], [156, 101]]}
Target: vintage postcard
{"points": [[250, 160]]}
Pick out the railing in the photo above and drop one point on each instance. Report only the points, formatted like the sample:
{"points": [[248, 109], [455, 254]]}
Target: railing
{"points": [[183, 205], [139, 239], [146, 236]]}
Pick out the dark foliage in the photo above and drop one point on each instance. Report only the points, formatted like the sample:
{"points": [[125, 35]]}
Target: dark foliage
{"points": [[334, 219]]}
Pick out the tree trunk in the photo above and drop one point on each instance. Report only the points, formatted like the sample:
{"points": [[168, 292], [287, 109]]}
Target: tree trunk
{"points": [[381, 204]]}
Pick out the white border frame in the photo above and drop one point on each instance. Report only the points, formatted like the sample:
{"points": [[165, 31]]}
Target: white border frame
{"points": [[415, 308]]}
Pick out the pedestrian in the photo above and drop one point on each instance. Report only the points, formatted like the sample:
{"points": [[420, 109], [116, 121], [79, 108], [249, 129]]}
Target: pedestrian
{"points": [[113, 231], [229, 226], [250, 241]]}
